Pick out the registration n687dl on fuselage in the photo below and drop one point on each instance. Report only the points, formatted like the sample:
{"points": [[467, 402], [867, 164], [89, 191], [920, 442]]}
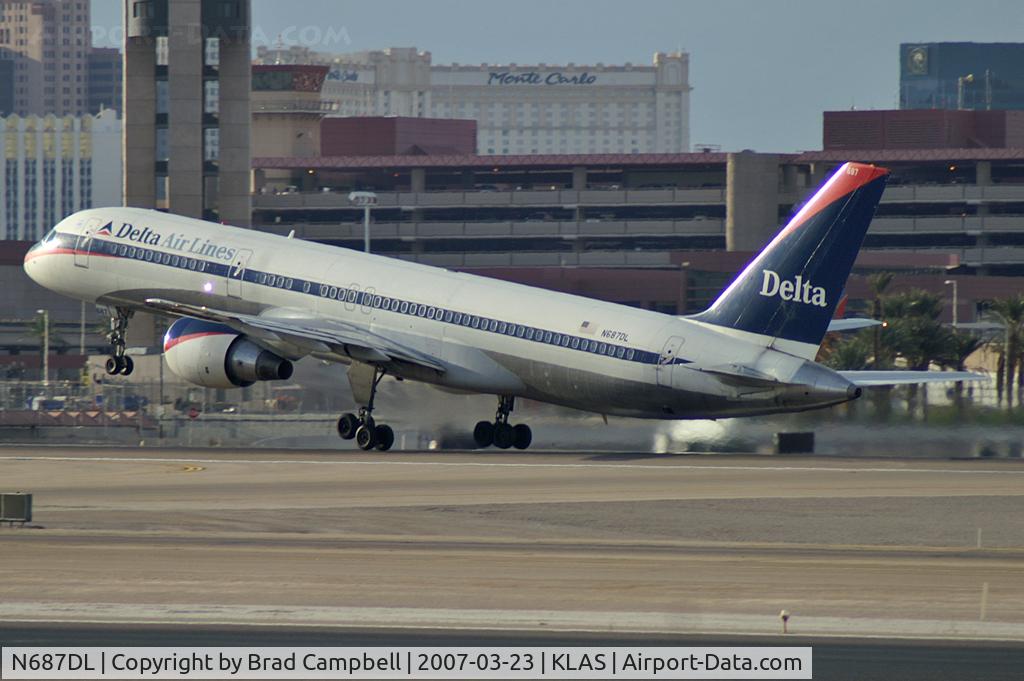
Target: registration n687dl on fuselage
{"points": [[249, 304]]}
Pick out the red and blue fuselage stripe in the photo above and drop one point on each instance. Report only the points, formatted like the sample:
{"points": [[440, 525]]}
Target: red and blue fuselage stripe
{"points": [[187, 328]]}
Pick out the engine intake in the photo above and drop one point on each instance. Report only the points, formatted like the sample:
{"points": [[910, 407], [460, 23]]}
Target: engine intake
{"points": [[216, 356]]}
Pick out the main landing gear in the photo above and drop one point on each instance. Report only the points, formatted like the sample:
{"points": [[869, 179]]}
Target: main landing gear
{"points": [[367, 433], [118, 362], [500, 433]]}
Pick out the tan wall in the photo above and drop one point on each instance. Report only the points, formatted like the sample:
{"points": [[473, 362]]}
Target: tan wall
{"points": [[752, 200], [185, 131], [139, 146], [285, 135], [234, 201]]}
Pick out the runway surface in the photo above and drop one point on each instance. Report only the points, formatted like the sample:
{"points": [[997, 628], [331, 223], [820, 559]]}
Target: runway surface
{"points": [[446, 544], [833, 659]]}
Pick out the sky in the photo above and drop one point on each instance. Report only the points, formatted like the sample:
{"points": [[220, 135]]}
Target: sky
{"points": [[762, 72]]}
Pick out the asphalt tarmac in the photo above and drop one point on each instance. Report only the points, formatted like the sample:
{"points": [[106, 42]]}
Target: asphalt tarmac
{"points": [[833, 659], [878, 561]]}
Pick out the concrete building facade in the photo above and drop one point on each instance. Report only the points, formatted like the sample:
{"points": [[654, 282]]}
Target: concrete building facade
{"points": [[519, 109], [637, 210], [187, 116], [52, 167], [49, 42]]}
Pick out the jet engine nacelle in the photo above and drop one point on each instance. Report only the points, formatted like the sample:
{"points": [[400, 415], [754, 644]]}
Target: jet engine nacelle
{"points": [[216, 356]]}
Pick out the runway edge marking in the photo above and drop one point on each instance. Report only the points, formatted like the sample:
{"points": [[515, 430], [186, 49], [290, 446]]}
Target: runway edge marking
{"points": [[481, 464]]}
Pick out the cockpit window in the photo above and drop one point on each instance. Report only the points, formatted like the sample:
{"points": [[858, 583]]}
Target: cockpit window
{"points": [[51, 235]]}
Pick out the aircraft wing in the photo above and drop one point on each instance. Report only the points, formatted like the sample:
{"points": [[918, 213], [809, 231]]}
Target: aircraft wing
{"points": [[869, 379], [852, 324], [307, 331]]}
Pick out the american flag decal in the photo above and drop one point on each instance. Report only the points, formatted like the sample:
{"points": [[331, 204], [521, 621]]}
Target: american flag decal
{"points": [[588, 328]]}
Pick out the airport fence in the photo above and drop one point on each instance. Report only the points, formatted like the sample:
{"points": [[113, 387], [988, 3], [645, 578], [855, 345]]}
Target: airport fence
{"points": [[166, 413], [152, 397]]}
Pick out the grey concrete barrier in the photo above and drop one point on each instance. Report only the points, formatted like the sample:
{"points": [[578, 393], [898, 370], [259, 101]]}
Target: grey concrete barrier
{"points": [[15, 507], [794, 443]]}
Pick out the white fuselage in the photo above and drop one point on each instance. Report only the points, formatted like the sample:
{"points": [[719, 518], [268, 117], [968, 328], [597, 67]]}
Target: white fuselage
{"points": [[490, 336]]}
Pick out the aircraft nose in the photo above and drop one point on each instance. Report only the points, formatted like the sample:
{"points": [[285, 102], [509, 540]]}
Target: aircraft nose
{"points": [[30, 264], [36, 266]]}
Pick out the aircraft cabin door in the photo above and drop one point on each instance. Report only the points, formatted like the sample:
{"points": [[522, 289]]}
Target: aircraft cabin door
{"points": [[236, 273], [667, 360], [84, 243]]}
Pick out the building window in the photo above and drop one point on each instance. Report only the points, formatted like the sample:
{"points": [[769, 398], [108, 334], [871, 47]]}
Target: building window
{"points": [[85, 182], [67, 182], [211, 144], [11, 198], [162, 51], [211, 96], [161, 191], [31, 193], [163, 150], [163, 97], [49, 191], [212, 52]]}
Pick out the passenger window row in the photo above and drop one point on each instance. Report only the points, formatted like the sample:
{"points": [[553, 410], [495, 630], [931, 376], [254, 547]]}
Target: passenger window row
{"points": [[148, 255], [479, 323]]}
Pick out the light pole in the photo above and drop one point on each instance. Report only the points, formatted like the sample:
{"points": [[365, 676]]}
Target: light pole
{"points": [[960, 82], [956, 301], [46, 346], [81, 331], [366, 201]]}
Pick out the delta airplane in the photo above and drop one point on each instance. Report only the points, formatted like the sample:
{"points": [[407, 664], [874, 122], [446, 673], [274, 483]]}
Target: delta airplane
{"points": [[248, 304]]}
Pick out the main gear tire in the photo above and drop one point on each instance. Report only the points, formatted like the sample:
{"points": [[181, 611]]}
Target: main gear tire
{"points": [[483, 434]]}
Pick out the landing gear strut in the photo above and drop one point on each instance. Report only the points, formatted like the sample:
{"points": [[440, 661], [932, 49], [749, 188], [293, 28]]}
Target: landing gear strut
{"points": [[366, 432], [118, 362], [500, 433]]}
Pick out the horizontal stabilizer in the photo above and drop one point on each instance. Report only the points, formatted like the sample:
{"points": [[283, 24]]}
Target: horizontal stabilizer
{"points": [[852, 324], [871, 379]]}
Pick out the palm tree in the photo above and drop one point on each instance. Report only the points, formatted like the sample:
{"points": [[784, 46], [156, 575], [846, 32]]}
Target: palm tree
{"points": [[916, 335], [913, 303], [850, 354], [36, 327], [1010, 313], [1000, 371], [879, 281], [961, 346]]}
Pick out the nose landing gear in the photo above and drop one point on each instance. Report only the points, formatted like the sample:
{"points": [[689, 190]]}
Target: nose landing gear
{"points": [[501, 434], [118, 362]]}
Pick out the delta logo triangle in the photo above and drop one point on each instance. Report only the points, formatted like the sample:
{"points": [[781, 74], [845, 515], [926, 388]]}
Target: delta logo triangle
{"points": [[105, 229]]}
